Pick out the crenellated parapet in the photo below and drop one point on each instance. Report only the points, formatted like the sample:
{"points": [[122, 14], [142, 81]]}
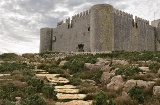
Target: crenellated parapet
{"points": [[69, 21], [123, 14], [140, 20]]}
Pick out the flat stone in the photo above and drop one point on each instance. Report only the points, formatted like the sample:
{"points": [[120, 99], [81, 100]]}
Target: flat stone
{"points": [[58, 80], [1, 75], [146, 69], [70, 96], [75, 102], [67, 90], [65, 87]]}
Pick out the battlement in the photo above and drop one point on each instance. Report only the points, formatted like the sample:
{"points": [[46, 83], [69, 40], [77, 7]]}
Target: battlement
{"points": [[76, 16], [140, 20], [123, 14]]}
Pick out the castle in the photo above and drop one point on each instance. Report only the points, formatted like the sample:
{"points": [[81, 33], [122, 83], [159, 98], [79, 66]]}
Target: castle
{"points": [[102, 28]]}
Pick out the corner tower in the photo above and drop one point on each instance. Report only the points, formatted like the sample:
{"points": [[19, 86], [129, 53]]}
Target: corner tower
{"points": [[102, 28], [45, 39]]}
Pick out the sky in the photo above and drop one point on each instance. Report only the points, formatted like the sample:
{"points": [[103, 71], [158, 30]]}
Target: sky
{"points": [[21, 20]]}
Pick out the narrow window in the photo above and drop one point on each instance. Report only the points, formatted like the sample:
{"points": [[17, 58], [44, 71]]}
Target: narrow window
{"points": [[136, 25], [88, 28]]}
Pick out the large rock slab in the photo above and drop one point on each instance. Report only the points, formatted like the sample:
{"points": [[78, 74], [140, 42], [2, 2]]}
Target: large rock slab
{"points": [[75, 102], [70, 96]]}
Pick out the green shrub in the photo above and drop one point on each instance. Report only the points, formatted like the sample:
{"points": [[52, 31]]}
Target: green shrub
{"points": [[96, 77], [8, 56], [90, 97], [29, 90], [9, 67], [33, 99], [48, 92], [75, 81], [127, 71], [7, 91], [154, 67], [137, 93], [101, 99], [37, 83]]}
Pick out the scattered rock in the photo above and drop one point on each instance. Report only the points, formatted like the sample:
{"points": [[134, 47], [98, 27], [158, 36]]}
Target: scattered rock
{"points": [[156, 90], [106, 68], [93, 66], [145, 69], [116, 83], [131, 83], [105, 78], [123, 62]]}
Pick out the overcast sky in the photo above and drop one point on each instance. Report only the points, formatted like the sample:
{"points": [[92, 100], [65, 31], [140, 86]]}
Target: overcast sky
{"points": [[20, 20]]}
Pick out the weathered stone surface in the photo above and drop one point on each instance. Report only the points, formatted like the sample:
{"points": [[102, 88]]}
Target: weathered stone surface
{"points": [[93, 66], [106, 76], [75, 102], [156, 90], [106, 68], [123, 62], [70, 96], [146, 69], [116, 83], [131, 83]]}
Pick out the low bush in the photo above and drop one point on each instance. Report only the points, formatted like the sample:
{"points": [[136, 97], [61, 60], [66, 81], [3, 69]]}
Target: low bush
{"points": [[48, 92], [154, 67], [90, 97], [8, 56], [137, 93], [128, 71], [75, 81], [34, 99], [10, 67], [37, 83]]}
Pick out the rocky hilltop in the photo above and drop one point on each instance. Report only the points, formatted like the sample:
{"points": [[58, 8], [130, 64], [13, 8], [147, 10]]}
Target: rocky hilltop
{"points": [[56, 78]]}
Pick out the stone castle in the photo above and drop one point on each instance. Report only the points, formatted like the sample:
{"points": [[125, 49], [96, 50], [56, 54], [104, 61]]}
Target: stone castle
{"points": [[102, 28]]}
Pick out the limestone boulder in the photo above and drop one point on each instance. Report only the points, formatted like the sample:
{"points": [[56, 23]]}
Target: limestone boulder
{"points": [[145, 69], [156, 90], [106, 77], [123, 62], [131, 83], [93, 66], [106, 68], [116, 83]]}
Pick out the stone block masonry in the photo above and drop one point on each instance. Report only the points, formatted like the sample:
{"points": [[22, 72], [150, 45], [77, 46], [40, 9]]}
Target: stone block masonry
{"points": [[99, 29]]}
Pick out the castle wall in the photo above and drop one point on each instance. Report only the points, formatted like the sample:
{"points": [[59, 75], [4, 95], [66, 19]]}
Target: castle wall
{"points": [[157, 38], [123, 24], [102, 28], [146, 35], [73, 32], [45, 39]]}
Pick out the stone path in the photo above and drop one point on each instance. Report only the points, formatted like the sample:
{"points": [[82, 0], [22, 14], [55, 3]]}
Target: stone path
{"points": [[64, 92]]}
